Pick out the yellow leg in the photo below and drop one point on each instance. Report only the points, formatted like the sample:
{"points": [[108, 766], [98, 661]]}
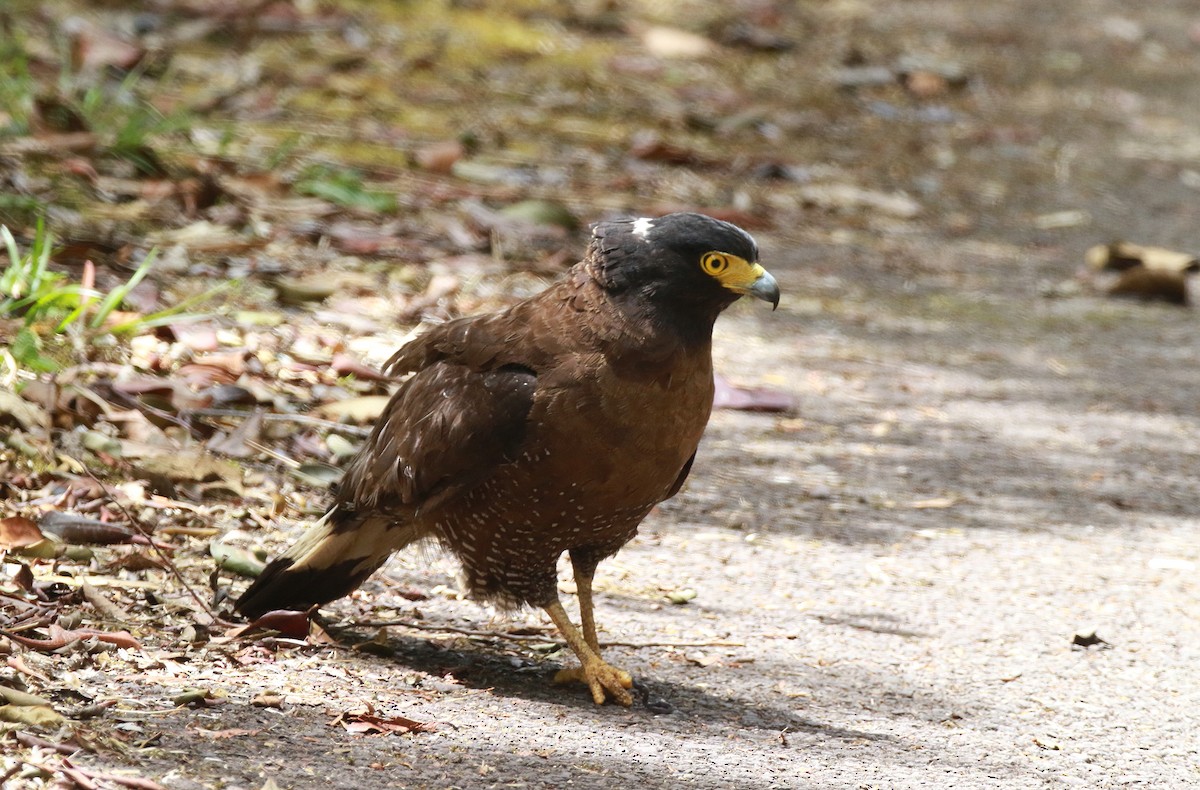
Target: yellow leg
{"points": [[604, 680], [587, 616]]}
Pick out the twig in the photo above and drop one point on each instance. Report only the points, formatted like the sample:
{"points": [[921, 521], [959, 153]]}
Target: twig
{"points": [[162, 414], [529, 637], [84, 777], [290, 463], [90, 711], [302, 419], [712, 643], [448, 629], [11, 772], [76, 775], [102, 605], [34, 741], [147, 534], [60, 638]]}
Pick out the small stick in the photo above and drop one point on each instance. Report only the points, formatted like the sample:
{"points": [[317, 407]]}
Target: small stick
{"points": [[447, 629], [135, 782], [162, 555], [712, 643], [34, 741], [530, 637], [302, 419], [102, 605]]}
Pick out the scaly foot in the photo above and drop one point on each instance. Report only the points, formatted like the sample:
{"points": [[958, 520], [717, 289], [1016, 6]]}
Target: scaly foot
{"points": [[602, 678]]}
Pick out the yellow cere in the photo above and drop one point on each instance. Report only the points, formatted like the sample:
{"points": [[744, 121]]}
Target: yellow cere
{"points": [[732, 271]]}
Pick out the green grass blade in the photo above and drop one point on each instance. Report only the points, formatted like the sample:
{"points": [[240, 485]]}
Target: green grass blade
{"points": [[13, 273], [117, 295], [173, 314], [42, 245]]}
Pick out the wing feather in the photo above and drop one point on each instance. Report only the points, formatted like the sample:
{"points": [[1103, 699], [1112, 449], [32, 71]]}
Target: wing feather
{"points": [[445, 429]]}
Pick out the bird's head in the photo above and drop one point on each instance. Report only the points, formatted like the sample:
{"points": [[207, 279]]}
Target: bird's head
{"points": [[683, 263]]}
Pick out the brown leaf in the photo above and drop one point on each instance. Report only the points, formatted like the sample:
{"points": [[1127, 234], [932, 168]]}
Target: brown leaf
{"points": [[439, 157], [61, 637], [17, 532], [24, 578], [157, 393], [344, 364], [236, 443], [201, 376], [233, 362], [925, 84], [367, 722], [134, 561], [196, 337], [287, 622], [220, 735], [80, 530]]}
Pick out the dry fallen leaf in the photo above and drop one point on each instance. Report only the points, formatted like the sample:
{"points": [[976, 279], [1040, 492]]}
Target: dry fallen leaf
{"points": [[18, 532], [364, 409], [366, 722], [220, 735], [439, 157], [80, 530], [31, 715], [287, 622], [28, 415]]}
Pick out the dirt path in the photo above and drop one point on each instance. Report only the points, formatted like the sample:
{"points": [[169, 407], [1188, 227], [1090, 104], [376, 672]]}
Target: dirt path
{"points": [[889, 585], [888, 581]]}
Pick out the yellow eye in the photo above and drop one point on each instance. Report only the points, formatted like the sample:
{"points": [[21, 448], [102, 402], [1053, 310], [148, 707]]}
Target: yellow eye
{"points": [[714, 263]]}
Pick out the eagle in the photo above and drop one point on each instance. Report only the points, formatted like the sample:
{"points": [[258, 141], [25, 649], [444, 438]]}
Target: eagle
{"points": [[555, 425]]}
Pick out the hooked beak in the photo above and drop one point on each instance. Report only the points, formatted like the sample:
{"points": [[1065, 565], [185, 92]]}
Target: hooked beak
{"points": [[763, 287]]}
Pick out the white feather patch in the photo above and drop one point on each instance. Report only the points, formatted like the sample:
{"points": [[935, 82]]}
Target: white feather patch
{"points": [[642, 226], [367, 544]]}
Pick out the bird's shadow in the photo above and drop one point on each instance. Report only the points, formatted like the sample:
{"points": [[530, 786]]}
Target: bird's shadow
{"points": [[506, 674]]}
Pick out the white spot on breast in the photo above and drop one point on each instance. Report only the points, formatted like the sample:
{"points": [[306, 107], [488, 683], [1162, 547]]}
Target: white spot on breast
{"points": [[642, 226]]}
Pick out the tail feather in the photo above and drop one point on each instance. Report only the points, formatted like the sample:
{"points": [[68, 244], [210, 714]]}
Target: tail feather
{"points": [[330, 560]]}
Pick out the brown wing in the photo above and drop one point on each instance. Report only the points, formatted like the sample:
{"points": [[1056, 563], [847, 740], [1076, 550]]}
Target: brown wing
{"points": [[536, 333], [683, 476], [445, 429]]}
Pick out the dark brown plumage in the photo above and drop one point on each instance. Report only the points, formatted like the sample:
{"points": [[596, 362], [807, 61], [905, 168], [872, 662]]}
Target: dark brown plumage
{"points": [[555, 425]]}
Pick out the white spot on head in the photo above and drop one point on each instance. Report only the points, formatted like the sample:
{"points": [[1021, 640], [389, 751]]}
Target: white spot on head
{"points": [[642, 226]]}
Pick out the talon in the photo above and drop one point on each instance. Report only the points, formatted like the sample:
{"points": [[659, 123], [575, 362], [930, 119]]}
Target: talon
{"points": [[604, 681]]}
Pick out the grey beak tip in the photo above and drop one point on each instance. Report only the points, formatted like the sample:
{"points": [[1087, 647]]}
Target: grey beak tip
{"points": [[767, 289]]}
